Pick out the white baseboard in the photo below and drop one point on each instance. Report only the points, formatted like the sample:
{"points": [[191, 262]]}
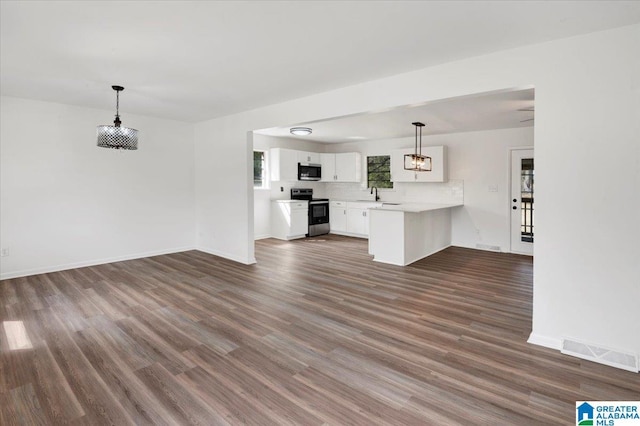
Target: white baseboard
{"points": [[93, 262], [230, 256], [261, 237], [546, 341], [483, 247], [349, 234]]}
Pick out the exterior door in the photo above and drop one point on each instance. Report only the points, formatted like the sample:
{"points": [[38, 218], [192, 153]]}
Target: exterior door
{"points": [[521, 202]]}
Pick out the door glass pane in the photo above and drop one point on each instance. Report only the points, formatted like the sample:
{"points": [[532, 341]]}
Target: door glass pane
{"points": [[526, 195], [259, 178]]}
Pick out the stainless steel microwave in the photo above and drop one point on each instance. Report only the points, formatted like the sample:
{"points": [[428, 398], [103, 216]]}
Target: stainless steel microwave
{"points": [[309, 171]]}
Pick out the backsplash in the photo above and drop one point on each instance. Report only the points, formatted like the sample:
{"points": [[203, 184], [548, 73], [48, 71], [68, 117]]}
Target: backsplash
{"points": [[451, 192]]}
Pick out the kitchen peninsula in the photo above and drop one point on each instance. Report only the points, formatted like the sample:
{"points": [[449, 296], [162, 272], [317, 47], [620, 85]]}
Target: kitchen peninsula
{"points": [[404, 233]]}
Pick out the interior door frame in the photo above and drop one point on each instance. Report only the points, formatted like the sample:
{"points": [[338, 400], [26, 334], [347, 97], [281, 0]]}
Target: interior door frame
{"points": [[509, 195]]}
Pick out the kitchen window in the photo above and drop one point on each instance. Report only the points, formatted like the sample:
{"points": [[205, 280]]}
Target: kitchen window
{"points": [[260, 170], [379, 171]]}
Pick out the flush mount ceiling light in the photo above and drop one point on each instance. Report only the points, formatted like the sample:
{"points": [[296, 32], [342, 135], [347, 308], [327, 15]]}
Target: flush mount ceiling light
{"points": [[300, 131], [416, 161], [116, 136]]}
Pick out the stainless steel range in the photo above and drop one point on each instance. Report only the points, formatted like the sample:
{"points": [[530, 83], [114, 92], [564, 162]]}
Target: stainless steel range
{"points": [[318, 211]]}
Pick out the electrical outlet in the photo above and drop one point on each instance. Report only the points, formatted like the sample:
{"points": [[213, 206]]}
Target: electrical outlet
{"points": [[4, 252], [493, 188]]}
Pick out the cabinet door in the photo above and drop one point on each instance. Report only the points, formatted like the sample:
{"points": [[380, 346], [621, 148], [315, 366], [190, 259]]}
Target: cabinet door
{"points": [[365, 223], [299, 222], [438, 171], [338, 218], [356, 221], [328, 162], [314, 157], [283, 164], [348, 167], [398, 173], [308, 157]]}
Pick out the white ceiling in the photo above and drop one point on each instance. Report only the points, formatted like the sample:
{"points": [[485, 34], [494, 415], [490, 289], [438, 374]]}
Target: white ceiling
{"points": [[500, 110], [197, 60]]}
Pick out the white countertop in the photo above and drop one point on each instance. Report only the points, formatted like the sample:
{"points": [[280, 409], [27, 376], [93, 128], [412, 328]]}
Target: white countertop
{"points": [[415, 207], [357, 201], [290, 201]]}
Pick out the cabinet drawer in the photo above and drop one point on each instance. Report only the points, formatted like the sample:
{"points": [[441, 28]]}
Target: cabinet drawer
{"points": [[338, 204]]}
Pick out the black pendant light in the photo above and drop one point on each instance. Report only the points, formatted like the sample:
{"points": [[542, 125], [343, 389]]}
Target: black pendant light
{"points": [[116, 136], [416, 161]]}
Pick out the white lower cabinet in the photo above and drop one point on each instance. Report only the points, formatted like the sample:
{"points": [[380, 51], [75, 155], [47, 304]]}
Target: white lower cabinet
{"points": [[338, 216], [351, 217], [358, 221], [289, 219]]}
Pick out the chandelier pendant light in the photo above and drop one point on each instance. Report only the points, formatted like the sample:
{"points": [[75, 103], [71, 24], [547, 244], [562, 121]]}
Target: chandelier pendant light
{"points": [[416, 161], [117, 136]]}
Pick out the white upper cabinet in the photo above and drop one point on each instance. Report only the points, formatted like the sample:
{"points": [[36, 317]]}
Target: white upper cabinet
{"points": [[328, 162], [398, 173], [308, 157], [438, 171], [439, 163], [348, 167], [283, 164], [341, 167]]}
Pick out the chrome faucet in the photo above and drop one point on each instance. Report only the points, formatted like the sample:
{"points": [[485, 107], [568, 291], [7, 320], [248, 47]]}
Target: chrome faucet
{"points": [[376, 188]]}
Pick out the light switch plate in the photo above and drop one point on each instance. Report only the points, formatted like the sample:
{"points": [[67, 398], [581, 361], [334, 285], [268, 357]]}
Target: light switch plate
{"points": [[493, 188]]}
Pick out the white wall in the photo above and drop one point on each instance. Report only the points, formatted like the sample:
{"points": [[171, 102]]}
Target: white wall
{"points": [[587, 130], [65, 202], [224, 189], [261, 213], [476, 160]]}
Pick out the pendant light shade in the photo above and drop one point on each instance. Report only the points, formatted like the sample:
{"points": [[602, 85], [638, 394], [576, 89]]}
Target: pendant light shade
{"points": [[416, 161], [117, 136]]}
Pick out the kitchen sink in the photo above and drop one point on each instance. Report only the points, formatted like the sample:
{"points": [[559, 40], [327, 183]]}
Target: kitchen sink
{"points": [[390, 204]]}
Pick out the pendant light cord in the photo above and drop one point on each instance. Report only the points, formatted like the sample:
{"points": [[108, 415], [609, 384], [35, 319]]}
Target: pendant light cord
{"points": [[415, 150], [117, 121]]}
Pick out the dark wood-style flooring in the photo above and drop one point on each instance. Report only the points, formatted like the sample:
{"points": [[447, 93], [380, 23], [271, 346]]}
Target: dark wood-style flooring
{"points": [[315, 333]]}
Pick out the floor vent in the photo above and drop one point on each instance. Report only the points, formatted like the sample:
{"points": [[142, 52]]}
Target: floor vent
{"points": [[614, 358]]}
